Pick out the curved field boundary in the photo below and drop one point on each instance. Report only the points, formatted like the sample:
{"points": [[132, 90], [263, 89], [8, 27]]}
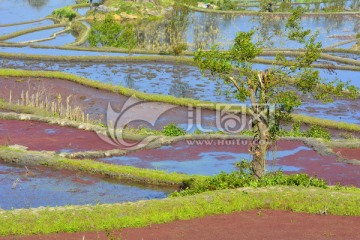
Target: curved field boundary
{"points": [[162, 98], [23, 23], [53, 36], [83, 35], [343, 201], [323, 56], [322, 147], [163, 59], [343, 43], [266, 52], [254, 13], [80, 5], [23, 32], [128, 173]]}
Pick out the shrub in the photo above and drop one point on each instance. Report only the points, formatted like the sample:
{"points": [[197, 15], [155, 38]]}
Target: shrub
{"points": [[172, 130], [111, 33], [228, 5], [65, 12], [245, 178], [318, 132]]}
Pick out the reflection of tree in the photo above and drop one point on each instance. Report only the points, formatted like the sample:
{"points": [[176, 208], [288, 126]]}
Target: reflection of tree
{"points": [[181, 89], [178, 87], [129, 80], [334, 22], [37, 3], [166, 34], [206, 31], [269, 28]]}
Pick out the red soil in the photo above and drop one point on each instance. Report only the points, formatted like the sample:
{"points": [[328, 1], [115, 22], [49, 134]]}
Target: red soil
{"points": [[194, 151], [40, 136], [308, 160], [91, 100], [348, 153], [326, 167], [94, 101], [256, 224]]}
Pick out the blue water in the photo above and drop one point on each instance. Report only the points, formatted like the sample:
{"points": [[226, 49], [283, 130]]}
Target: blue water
{"points": [[209, 162], [62, 39], [35, 35], [205, 30], [54, 188], [7, 30], [14, 11], [59, 52], [82, 11]]}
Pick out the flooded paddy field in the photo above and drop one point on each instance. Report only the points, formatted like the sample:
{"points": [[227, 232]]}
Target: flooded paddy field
{"points": [[35, 35], [210, 157], [23, 10], [61, 39], [40, 136], [187, 81], [34, 187], [95, 102], [60, 52], [12, 29], [202, 30]]}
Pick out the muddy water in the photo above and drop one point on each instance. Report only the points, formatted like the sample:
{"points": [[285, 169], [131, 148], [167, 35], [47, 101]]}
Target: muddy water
{"points": [[43, 187], [95, 102], [40, 136], [186, 81], [212, 157]]}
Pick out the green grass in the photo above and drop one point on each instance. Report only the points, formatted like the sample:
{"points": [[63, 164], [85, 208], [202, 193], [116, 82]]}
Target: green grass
{"points": [[143, 213], [81, 32], [65, 12], [325, 123]]}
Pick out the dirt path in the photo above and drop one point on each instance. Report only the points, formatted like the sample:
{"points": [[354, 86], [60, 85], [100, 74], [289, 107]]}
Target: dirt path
{"points": [[256, 224]]}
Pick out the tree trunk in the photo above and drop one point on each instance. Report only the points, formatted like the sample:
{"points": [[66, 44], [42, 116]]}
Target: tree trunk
{"points": [[259, 150]]}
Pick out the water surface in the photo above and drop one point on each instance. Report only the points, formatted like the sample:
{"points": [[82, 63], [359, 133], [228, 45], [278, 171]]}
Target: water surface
{"points": [[44, 187]]}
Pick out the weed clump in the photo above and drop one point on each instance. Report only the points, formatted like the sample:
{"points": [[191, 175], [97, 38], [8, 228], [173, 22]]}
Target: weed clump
{"points": [[65, 12], [172, 130], [244, 178]]}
